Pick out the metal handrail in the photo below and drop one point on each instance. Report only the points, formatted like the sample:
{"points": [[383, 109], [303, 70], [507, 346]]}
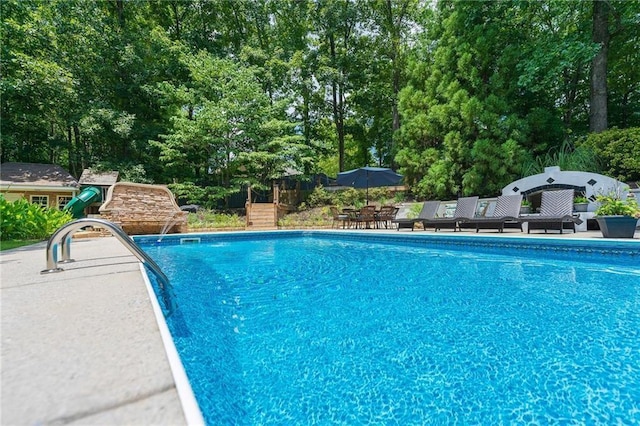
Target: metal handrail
{"points": [[62, 238]]}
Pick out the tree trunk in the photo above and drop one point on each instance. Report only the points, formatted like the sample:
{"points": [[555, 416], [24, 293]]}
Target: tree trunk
{"points": [[81, 146], [598, 107], [72, 153], [337, 108]]}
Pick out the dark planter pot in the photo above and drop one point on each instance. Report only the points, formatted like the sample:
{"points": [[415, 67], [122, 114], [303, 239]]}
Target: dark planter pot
{"points": [[617, 226], [580, 207]]}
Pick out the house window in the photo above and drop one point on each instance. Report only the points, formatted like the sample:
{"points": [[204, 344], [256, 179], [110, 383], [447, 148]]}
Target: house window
{"points": [[62, 201], [41, 200]]}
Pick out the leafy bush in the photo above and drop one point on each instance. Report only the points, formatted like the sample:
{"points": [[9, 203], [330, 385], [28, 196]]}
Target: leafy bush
{"points": [[612, 204], [210, 219], [350, 197], [23, 220], [414, 210], [320, 197], [619, 152], [579, 158], [316, 217]]}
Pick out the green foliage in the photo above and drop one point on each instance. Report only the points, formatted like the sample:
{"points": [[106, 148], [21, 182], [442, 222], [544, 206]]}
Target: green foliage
{"points": [[320, 197], [612, 204], [414, 210], [11, 244], [208, 197], [347, 197], [204, 219], [188, 193], [23, 220], [618, 150], [460, 133], [493, 167], [567, 157], [315, 217], [233, 92]]}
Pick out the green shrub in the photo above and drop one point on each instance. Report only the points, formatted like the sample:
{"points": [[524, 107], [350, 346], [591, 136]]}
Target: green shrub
{"points": [[619, 152], [414, 210], [320, 197], [579, 158], [20, 220], [210, 219], [351, 197], [612, 204]]}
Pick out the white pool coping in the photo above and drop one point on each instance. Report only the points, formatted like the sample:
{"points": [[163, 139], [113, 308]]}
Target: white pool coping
{"points": [[185, 392]]}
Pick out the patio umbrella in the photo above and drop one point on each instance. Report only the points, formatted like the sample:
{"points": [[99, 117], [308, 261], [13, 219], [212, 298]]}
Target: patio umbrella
{"points": [[368, 177]]}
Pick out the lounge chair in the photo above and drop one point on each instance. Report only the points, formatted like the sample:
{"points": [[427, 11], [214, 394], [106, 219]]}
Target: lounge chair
{"points": [[429, 210], [465, 210], [507, 210], [555, 212]]}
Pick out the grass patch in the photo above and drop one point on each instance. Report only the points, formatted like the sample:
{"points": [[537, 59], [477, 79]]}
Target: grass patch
{"points": [[208, 219], [316, 217], [11, 244]]}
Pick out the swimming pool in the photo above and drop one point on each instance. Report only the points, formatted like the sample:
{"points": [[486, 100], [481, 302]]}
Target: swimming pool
{"points": [[324, 328]]}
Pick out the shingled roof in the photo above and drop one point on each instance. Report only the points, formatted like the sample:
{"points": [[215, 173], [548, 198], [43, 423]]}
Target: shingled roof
{"points": [[35, 175], [92, 177]]}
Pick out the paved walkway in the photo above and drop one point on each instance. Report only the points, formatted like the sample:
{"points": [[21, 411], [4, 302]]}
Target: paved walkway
{"points": [[83, 346]]}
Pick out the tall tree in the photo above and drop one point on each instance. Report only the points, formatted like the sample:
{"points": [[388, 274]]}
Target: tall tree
{"points": [[459, 133], [395, 21], [598, 105], [336, 23]]}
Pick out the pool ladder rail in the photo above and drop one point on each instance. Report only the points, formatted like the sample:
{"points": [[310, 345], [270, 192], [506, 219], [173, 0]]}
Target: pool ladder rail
{"points": [[62, 238]]}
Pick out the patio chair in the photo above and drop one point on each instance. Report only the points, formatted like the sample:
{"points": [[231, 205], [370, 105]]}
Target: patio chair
{"points": [[366, 216], [507, 210], [386, 215], [556, 212], [339, 218], [465, 210], [429, 210]]}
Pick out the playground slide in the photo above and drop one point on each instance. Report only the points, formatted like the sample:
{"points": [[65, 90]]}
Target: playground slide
{"points": [[78, 203]]}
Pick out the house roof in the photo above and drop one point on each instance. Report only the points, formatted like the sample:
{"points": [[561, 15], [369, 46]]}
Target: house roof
{"points": [[36, 175], [93, 177]]}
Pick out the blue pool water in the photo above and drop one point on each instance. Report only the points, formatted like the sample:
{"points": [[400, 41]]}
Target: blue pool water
{"points": [[331, 330]]}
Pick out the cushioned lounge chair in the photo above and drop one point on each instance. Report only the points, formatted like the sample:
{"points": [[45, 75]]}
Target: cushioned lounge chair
{"points": [[465, 210], [507, 210], [555, 212], [429, 210]]}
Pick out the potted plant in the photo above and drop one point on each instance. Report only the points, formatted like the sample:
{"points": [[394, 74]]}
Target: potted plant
{"points": [[580, 204], [617, 217], [525, 207]]}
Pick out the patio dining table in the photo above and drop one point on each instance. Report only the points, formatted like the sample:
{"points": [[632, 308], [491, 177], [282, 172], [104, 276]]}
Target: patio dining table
{"points": [[355, 217]]}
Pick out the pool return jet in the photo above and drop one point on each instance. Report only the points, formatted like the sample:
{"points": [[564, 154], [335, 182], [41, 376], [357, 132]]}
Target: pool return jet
{"points": [[62, 238]]}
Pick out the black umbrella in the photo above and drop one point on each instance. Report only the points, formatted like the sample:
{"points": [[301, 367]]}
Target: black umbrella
{"points": [[366, 177]]}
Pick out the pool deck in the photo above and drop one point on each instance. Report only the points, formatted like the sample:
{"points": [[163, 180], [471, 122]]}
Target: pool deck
{"points": [[83, 346]]}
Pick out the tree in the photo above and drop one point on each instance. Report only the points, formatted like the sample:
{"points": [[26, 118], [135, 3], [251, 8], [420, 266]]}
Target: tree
{"points": [[394, 22], [459, 133], [598, 105], [225, 131]]}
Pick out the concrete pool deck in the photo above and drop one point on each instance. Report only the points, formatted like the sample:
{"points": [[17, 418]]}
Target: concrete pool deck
{"points": [[83, 346]]}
